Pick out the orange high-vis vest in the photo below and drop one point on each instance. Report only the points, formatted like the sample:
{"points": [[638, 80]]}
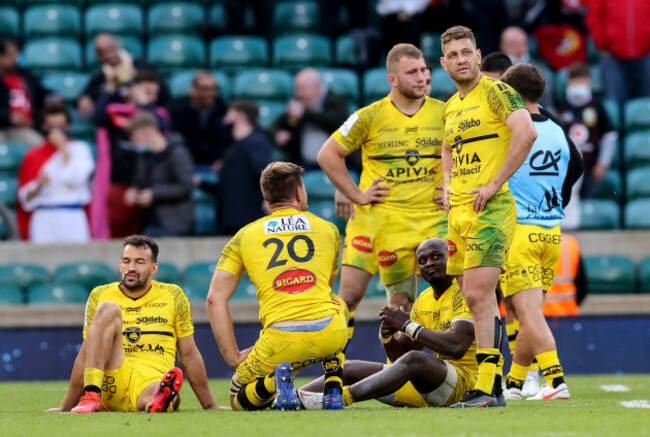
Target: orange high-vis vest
{"points": [[561, 299]]}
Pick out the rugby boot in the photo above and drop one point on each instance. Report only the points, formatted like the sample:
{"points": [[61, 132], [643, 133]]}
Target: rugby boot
{"points": [[285, 394], [88, 403], [170, 385], [333, 400], [548, 393], [476, 399]]}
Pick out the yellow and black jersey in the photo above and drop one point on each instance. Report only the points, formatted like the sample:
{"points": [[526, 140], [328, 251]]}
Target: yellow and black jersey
{"points": [[475, 129], [438, 315], [290, 256], [152, 323], [404, 150]]}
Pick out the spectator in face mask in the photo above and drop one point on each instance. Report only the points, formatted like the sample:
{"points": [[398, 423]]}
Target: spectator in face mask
{"points": [[586, 122]]}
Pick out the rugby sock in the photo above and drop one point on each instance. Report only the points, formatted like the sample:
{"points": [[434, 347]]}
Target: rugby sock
{"points": [[334, 373], [512, 329], [347, 397], [517, 376], [534, 367], [350, 326], [498, 377], [257, 395], [551, 368], [487, 360], [93, 379]]}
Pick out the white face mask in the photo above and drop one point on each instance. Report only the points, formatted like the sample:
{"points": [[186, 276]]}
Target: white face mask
{"points": [[578, 95], [516, 60]]}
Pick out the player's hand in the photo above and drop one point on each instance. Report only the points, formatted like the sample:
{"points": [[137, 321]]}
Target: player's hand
{"points": [[375, 193], [344, 207], [439, 199], [483, 195], [387, 331], [445, 199], [393, 317], [241, 356], [53, 410]]}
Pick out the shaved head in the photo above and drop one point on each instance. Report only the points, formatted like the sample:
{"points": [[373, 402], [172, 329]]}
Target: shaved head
{"points": [[514, 41], [432, 243], [307, 86]]}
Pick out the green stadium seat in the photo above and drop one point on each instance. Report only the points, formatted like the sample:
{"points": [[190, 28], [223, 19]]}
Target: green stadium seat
{"points": [[318, 185], [636, 149], [51, 20], [8, 185], [168, 272], [442, 85], [175, 17], [235, 53], [342, 81], [301, 50], [637, 214], [296, 16], [644, 275], [325, 210], [269, 111], [199, 271], [196, 291], [133, 45], [637, 114], [52, 54], [11, 295], [613, 113], [431, 49], [610, 274], [176, 52], [61, 294], [88, 274], [218, 18], [375, 85], [600, 214], [11, 155], [67, 84], [593, 56], [422, 286], [23, 275], [5, 227], [611, 187], [345, 52], [205, 219], [10, 21], [246, 290], [82, 128], [636, 183], [203, 197], [180, 82], [375, 288], [114, 18], [263, 83]]}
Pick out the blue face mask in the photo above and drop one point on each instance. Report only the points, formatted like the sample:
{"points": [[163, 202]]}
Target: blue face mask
{"points": [[516, 60], [141, 148]]}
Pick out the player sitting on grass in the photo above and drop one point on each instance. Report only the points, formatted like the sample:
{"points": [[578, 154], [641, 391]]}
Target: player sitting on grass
{"points": [[440, 321]]}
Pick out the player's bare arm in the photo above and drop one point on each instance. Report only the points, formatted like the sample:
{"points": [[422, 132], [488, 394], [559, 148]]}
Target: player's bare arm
{"points": [[343, 207], [446, 171], [397, 345], [523, 137], [194, 368]]}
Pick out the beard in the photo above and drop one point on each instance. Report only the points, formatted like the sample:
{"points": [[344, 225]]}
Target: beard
{"points": [[410, 93], [134, 283]]}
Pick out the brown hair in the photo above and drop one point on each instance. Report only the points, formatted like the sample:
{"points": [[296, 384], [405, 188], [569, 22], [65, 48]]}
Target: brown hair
{"points": [[400, 51], [527, 80], [579, 70], [145, 75], [280, 180], [57, 109], [247, 107], [141, 120], [457, 33], [143, 241]]}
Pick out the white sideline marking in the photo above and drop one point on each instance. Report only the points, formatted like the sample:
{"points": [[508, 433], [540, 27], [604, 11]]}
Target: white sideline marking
{"points": [[635, 404], [615, 387]]}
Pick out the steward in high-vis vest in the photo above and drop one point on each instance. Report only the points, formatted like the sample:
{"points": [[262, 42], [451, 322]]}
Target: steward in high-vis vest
{"points": [[570, 284]]}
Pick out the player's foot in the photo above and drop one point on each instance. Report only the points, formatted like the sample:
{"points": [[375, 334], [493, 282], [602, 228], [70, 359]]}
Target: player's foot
{"points": [[476, 399], [88, 403], [170, 385], [285, 394], [547, 393], [501, 400], [333, 400], [512, 394], [311, 400], [531, 384]]}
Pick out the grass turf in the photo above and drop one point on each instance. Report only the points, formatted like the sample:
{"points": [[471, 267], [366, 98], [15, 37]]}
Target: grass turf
{"points": [[591, 411]]}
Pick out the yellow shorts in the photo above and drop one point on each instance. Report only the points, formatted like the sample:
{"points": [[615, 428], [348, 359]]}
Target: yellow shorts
{"points": [[481, 240], [301, 349], [396, 235], [121, 387], [357, 246], [533, 258]]}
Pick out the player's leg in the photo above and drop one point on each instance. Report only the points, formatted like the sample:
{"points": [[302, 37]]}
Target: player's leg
{"points": [[354, 282], [162, 396], [403, 293], [354, 370]]}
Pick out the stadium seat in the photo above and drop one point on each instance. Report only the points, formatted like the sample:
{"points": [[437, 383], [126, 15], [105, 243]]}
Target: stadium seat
{"points": [[5, 227], [218, 19], [82, 128], [10, 21], [345, 52], [67, 84], [205, 219], [610, 274], [199, 271], [611, 186], [593, 56], [88, 274], [636, 149], [636, 183], [246, 290], [133, 45], [11, 155], [431, 49], [375, 85], [176, 52], [342, 81], [613, 113], [637, 114], [114, 18], [23, 275], [301, 50], [263, 83], [61, 294], [11, 295], [52, 54], [269, 111], [637, 214], [442, 85], [8, 185], [180, 82], [235, 53], [325, 210], [375, 288], [644, 275], [175, 17], [196, 291], [600, 214], [51, 20], [168, 272], [318, 185], [296, 16]]}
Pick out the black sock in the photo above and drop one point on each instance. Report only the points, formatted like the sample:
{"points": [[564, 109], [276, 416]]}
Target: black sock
{"points": [[92, 388]]}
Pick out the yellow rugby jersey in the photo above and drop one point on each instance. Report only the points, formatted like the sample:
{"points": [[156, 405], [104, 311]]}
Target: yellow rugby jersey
{"points": [[475, 129], [152, 323], [405, 150], [290, 256], [438, 315]]}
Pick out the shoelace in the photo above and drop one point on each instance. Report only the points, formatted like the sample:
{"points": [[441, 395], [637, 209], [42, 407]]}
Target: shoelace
{"points": [[88, 396]]}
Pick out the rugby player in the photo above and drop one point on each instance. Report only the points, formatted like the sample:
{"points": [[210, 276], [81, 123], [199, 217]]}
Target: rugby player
{"points": [[495, 64], [440, 321], [131, 332], [400, 137], [488, 134], [292, 257]]}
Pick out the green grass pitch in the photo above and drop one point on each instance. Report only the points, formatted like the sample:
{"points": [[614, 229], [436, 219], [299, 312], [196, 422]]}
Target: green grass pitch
{"points": [[592, 411]]}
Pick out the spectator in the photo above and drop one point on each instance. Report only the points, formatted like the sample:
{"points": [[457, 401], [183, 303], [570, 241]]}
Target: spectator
{"points": [[311, 117], [401, 21], [622, 30], [118, 70], [495, 64], [587, 124], [21, 98], [54, 185], [199, 119], [162, 181]]}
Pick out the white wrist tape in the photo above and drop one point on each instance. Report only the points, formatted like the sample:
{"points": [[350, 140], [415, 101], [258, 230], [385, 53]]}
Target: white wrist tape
{"points": [[412, 329]]}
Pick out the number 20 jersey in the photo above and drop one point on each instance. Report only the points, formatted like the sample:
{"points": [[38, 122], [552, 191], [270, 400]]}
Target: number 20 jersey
{"points": [[290, 256]]}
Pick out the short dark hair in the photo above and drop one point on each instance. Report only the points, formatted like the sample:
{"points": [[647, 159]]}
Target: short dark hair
{"points": [[496, 62], [5, 42], [402, 50], [579, 70], [527, 80], [457, 33], [141, 120], [280, 180], [57, 109], [247, 107], [145, 75], [143, 241]]}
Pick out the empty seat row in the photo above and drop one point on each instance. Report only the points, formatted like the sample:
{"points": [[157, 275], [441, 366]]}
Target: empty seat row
{"points": [[608, 274]]}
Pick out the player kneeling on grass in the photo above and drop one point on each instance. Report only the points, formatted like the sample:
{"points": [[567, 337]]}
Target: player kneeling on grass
{"points": [[131, 331], [440, 321], [292, 257]]}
